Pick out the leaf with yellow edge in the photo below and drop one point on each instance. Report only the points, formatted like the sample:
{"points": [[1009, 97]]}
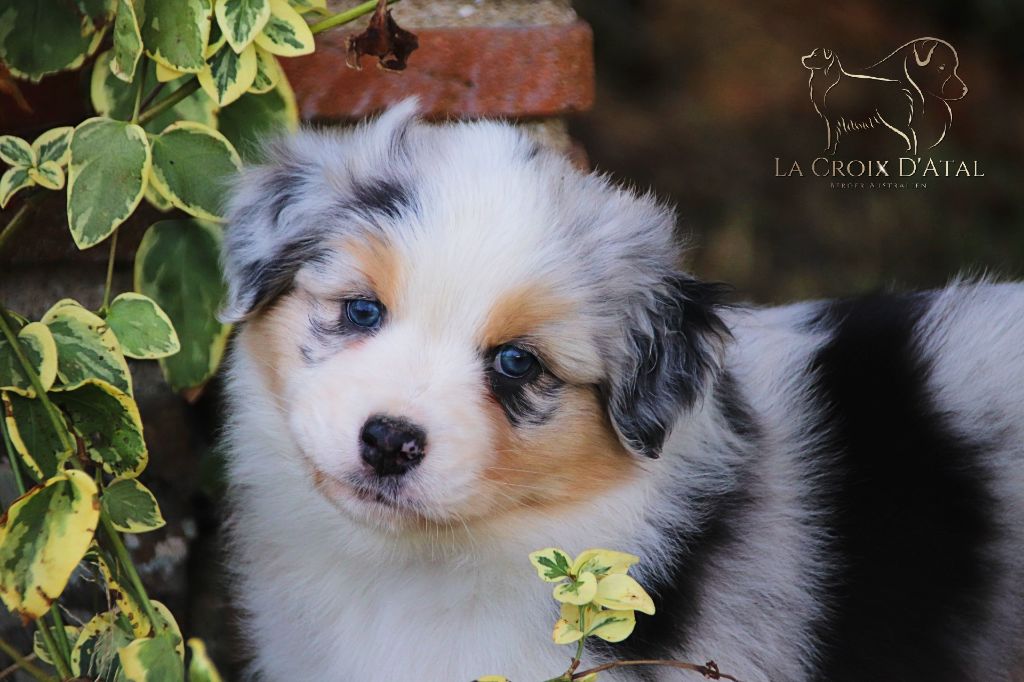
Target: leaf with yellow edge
{"points": [[611, 625], [241, 20], [165, 74], [152, 660], [620, 591], [602, 562], [201, 668], [579, 591], [169, 626], [48, 174], [46, 532], [87, 347], [54, 145], [40, 349], [156, 198], [566, 632], [127, 605], [14, 151], [228, 75], [127, 41], [192, 164], [108, 422], [268, 72], [142, 328], [286, 33], [39, 645], [485, 678], [13, 181], [94, 655], [552, 564], [131, 507], [175, 32], [34, 436]]}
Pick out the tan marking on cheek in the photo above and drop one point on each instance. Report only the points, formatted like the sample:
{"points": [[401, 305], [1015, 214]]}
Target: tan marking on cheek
{"points": [[568, 459], [272, 340], [521, 312], [379, 264]]}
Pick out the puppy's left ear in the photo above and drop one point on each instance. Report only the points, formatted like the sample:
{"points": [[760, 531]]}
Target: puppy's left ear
{"points": [[674, 350]]}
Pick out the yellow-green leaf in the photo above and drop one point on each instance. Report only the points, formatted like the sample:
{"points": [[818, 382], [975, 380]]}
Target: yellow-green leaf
{"points": [[286, 33], [34, 436], [16, 152], [241, 20], [485, 678], [552, 564], [13, 181], [175, 32], [621, 591], [611, 625], [169, 626], [110, 162], [268, 72], [565, 632], [152, 660], [579, 591], [143, 329], [48, 175], [131, 507], [40, 349], [108, 422], [54, 145], [177, 265], [45, 534], [201, 668], [38, 38], [127, 41], [39, 645], [602, 562], [192, 165], [127, 605], [165, 74], [228, 75], [95, 652], [87, 347]]}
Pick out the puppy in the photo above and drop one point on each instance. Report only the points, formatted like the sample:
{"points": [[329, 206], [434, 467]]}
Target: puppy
{"points": [[850, 102], [455, 349], [927, 67]]}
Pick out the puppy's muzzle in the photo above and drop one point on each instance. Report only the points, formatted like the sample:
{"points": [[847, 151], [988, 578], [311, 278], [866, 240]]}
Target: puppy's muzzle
{"points": [[391, 446]]}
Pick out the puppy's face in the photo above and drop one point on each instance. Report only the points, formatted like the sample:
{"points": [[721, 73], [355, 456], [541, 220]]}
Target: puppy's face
{"points": [[458, 326], [934, 69], [819, 58]]}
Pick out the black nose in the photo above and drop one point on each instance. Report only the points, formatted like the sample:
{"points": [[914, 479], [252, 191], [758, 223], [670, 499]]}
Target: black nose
{"points": [[391, 445]]}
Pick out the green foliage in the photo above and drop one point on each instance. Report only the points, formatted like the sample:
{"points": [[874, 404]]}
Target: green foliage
{"points": [[178, 86]]}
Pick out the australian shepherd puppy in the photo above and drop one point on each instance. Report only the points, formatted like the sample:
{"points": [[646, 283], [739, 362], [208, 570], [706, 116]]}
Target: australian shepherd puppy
{"points": [[456, 349]]}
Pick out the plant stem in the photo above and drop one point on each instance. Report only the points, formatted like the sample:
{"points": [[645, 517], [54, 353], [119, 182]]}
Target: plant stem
{"points": [[13, 457], [110, 275], [59, 634], [151, 96], [19, 218], [51, 646], [346, 16], [183, 91], [138, 99], [708, 670], [133, 576], [23, 663]]}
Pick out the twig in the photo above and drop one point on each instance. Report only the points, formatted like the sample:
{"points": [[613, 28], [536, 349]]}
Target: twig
{"points": [[19, 219], [15, 667], [346, 16], [709, 670], [51, 646], [183, 91], [24, 663], [105, 308]]}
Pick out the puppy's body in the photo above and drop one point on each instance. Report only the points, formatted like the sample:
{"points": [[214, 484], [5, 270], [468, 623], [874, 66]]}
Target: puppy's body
{"points": [[838, 491]]}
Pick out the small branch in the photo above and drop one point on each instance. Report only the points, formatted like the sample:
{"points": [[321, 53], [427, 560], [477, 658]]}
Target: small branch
{"points": [[346, 16], [183, 91], [19, 219], [110, 275], [24, 663], [14, 667], [125, 560], [151, 96], [709, 670], [51, 646]]}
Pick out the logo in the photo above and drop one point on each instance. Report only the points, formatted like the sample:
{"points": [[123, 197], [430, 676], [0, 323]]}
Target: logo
{"points": [[907, 92], [882, 122]]}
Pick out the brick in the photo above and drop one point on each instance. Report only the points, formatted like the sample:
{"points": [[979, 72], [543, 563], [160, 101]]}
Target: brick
{"points": [[537, 70]]}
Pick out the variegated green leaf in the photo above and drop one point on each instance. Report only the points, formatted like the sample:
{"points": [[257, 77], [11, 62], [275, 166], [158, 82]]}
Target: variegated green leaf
{"points": [[110, 96], [175, 32], [39, 645], [110, 162], [46, 532], [114, 98], [611, 625], [579, 591], [94, 655], [39, 348], [143, 329], [177, 266], [156, 198], [552, 564], [86, 347], [201, 668], [241, 20], [34, 436], [13, 181], [45, 36], [268, 72], [602, 562], [192, 165], [127, 605], [127, 41], [286, 33], [48, 175], [303, 6], [167, 625], [228, 75], [16, 152], [108, 422], [152, 660], [254, 118], [131, 507], [54, 145]]}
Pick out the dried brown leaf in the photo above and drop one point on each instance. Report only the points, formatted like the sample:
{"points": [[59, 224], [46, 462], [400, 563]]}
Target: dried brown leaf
{"points": [[384, 39]]}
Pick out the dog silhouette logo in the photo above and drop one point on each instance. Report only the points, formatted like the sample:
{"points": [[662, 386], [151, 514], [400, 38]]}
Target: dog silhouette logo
{"points": [[908, 92]]}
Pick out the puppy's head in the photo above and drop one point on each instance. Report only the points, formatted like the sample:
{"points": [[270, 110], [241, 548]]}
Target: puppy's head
{"points": [[819, 58], [457, 324], [933, 67]]}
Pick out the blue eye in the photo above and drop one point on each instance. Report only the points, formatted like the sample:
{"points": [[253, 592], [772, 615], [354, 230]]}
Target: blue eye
{"points": [[514, 362], [364, 313]]}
